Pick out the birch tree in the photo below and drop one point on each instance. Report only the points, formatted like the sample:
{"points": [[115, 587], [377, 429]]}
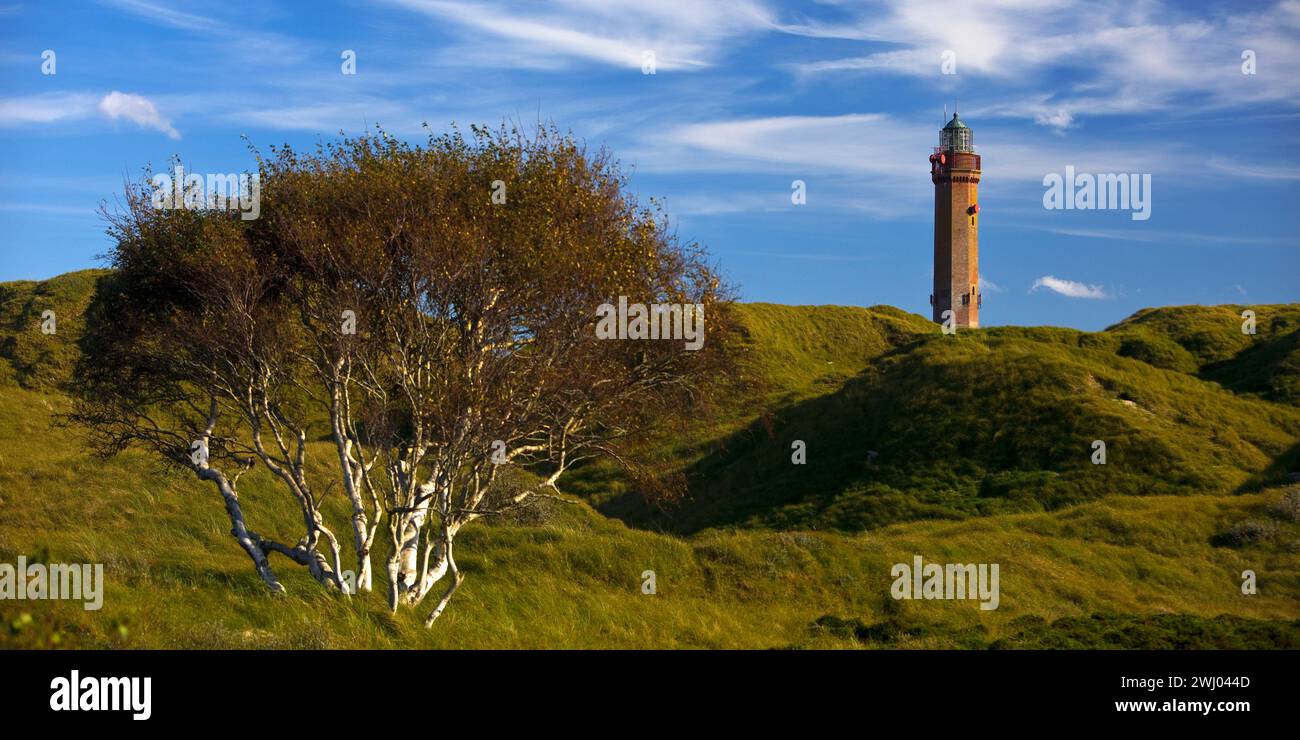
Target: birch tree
{"points": [[401, 324]]}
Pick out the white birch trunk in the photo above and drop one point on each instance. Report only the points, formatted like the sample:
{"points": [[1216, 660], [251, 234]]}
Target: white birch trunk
{"points": [[247, 539]]}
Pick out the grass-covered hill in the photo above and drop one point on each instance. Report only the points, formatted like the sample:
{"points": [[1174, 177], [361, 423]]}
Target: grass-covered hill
{"points": [[901, 422], [28, 357], [1191, 339], [982, 454]]}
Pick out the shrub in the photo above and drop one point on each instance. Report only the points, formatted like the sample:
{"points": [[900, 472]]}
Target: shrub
{"points": [[1288, 507], [1248, 532]]}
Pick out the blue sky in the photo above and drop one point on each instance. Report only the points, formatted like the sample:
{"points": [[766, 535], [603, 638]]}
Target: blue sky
{"points": [[747, 96]]}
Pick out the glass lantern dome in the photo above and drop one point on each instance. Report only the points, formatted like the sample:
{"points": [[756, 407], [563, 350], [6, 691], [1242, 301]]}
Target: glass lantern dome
{"points": [[956, 136]]}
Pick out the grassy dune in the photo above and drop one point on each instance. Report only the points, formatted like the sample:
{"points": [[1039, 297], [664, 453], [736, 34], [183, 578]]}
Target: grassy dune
{"points": [[1158, 567], [903, 423]]}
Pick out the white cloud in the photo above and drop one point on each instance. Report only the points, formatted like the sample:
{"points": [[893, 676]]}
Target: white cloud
{"points": [[1125, 57], [1170, 237], [1069, 288], [49, 208], [137, 109], [989, 285], [1253, 171], [683, 34], [344, 115], [875, 147], [46, 108], [807, 256], [66, 107], [237, 39], [878, 144], [857, 143], [167, 16], [869, 162], [1058, 119]]}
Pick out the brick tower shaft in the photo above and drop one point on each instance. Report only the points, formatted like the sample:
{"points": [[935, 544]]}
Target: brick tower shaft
{"points": [[955, 172]]}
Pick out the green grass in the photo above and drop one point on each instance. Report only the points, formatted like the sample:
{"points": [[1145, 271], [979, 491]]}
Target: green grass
{"points": [[911, 424], [176, 579], [786, 562], [27, 356], [1102, 631], [1207, 341]]}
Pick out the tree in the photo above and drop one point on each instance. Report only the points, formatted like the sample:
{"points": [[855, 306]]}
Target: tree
{"points": [[425, 314]]}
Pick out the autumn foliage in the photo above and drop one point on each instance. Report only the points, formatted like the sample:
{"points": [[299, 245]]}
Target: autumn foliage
{"points": [[427, 310]]}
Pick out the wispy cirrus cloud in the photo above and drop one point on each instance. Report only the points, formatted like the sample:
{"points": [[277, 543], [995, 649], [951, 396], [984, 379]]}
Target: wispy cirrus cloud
{"points": [[48, 108], [682, 34], [1251, 170], [1122, 57], [59, 107], [855, 142], [1167, 237], [875, 162], [238, 38], [882, 144], [1069, 288], [167, 16]]}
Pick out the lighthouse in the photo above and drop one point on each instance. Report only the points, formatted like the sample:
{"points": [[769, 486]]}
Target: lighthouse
{"points": [[955, 172]]}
